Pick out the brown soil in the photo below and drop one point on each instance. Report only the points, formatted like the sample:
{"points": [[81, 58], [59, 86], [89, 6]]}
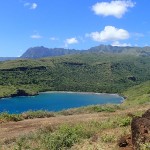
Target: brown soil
{"points": [[140, 128], [12, 130], [140, 133]]}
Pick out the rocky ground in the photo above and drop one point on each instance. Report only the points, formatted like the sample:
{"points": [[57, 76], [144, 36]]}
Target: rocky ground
{"points": [[140, 134]]}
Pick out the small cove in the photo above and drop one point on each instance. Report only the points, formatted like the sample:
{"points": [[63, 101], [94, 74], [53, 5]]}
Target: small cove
{"points": [[56, 101]]}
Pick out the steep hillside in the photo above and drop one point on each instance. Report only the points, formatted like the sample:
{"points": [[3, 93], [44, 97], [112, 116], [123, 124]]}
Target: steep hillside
{"points": [[82, 72], [138, 94]]}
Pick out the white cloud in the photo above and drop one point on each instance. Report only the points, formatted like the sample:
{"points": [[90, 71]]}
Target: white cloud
{"points": [[70, 41], [109, 33], [138, 35], [26, 4], [53, 38], [117, 43], [36, 36], [114, 8], [31, 5]]}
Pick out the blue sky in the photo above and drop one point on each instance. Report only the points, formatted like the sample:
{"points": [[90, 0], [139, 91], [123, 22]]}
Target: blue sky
{"points": [[78, 24]]}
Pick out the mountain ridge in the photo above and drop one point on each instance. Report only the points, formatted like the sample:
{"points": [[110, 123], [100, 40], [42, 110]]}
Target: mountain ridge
{"points": [[7, 58], [41, 51]]}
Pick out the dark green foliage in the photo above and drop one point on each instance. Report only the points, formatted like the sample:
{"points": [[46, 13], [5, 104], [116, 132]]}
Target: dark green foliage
{"points": [[82, 72]]}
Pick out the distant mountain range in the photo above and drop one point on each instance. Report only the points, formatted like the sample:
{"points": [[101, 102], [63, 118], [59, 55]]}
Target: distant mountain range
{"points": [[7, 58], [40, 52]]}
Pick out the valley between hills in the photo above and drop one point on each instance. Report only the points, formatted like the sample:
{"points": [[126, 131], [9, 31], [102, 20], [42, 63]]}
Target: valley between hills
{"points": [[92, 127]]}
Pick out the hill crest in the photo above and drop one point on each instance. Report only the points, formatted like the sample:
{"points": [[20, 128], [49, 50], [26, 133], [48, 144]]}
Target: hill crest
{"points": [[41, 51]]}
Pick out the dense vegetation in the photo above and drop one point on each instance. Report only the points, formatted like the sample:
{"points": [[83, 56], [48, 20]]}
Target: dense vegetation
{"points": [[82, 72]]}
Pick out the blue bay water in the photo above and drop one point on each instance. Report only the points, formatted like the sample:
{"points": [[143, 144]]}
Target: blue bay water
{"points": [[55, 101]]}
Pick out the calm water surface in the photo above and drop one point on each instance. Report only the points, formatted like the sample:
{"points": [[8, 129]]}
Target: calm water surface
{"points": [[55, 101]]}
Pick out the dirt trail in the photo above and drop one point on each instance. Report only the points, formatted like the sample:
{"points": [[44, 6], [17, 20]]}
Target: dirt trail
{"points": [[14, 129]]}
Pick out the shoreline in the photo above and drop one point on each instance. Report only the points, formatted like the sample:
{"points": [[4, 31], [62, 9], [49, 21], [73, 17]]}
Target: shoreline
{"points": [[69, 92]]}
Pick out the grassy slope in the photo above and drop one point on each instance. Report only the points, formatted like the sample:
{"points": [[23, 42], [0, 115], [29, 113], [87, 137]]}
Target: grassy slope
{"points": [[86, 72], [138, 94]]}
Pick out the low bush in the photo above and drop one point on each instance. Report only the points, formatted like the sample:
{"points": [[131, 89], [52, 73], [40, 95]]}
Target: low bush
{"points": [[108, 138], [37, 114], [5, 116], [65, 136], [145, 146]]}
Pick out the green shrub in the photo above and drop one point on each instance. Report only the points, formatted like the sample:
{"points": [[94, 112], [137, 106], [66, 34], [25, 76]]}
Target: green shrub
{"points": [[124, 121], [102, 108], [113, 122], [5, 116], [10, 117], [64, 137], [37, 114], [145, 146], [108, 138]]}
